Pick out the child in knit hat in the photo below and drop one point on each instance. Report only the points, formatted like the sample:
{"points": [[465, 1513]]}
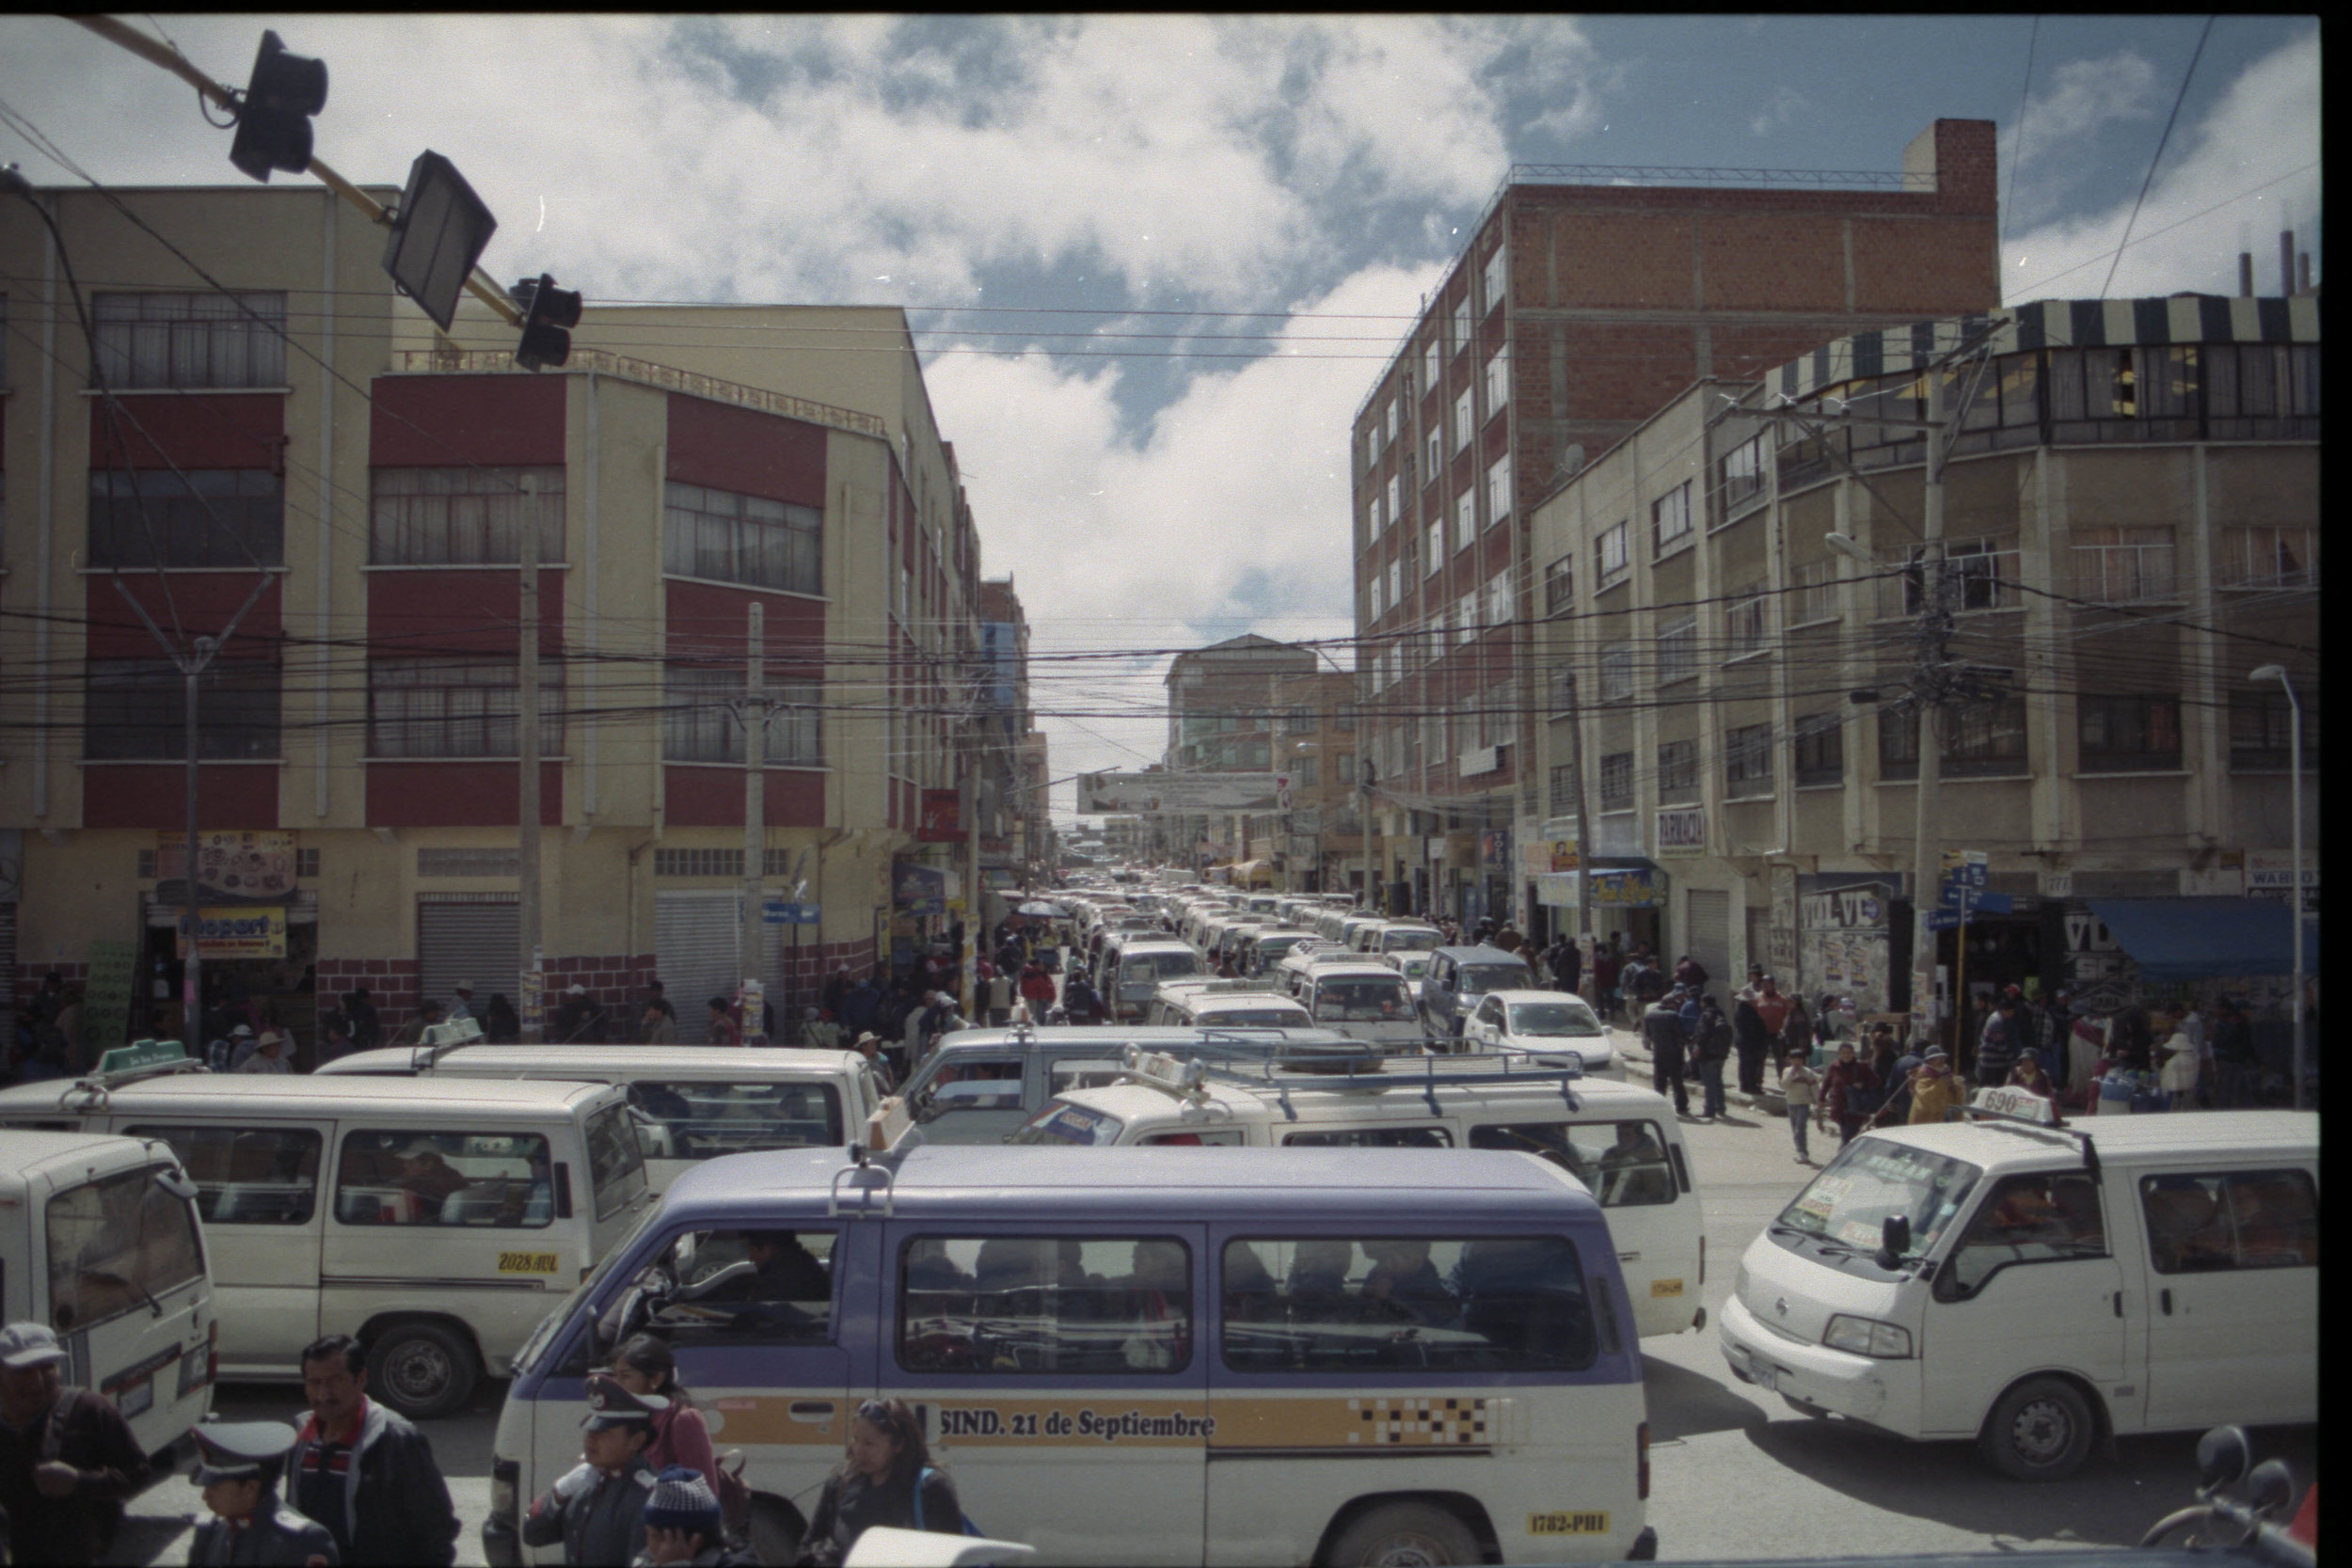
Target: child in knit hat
{"points": [[683, 1524]]}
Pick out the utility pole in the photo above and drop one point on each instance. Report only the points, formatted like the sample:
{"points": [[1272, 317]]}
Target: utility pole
{"points": [[191, 917], [1935, 626], [755, 716], [527, 754], [1583, 826]]}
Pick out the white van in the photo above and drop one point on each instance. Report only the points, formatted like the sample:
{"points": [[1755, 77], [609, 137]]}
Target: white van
{"points": [[1224, 1005], [1365, 1001], [435, 1219], [2037, 1288], [1132, 968], [693, 1103], [99, 1240], [1623, 1143]]}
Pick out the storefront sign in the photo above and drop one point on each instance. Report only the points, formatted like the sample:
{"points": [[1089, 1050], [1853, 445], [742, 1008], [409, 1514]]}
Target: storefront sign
{"points": [[943, 817], [2100, 975], [1181, 792], [1494, 849], [240, 934], [1681, 829], [1624, 890], [241, 867], [107, 994], [1853, 908], [2270, 872], [920, 889]]}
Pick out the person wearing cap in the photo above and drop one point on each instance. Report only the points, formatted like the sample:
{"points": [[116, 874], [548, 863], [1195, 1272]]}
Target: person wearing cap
{"points": [[579, 1021], [598, 1510], [269, 1054], [461, 1001], [1934, 1088], [432, 1178], [870, 1046], [364, 1472], [238, 1466], [684, 1525], [68, 1459]]}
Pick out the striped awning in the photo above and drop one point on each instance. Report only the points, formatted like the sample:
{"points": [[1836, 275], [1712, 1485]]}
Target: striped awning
{"points": [[2055, 323]]}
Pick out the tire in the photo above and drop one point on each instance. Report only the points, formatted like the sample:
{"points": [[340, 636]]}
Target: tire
{"points": [[1404, 1535], [1805, 1408], [422, 1370], [775, 1532], [2041, 1430]]}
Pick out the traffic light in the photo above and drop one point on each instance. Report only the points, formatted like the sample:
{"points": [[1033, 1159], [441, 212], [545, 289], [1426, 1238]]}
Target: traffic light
{"points": [[548, 315], [274, 120]]}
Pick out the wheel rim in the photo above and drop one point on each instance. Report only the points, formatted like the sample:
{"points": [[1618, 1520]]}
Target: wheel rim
{"points": [[419, 1371], [1406, 1548], [2042, 1431]]}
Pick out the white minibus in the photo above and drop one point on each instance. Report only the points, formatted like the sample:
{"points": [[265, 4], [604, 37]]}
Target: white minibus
{"points": [[2040, 1289], [1364, 1000], [1622, 1142], [1224, 1005], [98, 1239], [693, 1103], [430, 1218], [1143, 1356]]}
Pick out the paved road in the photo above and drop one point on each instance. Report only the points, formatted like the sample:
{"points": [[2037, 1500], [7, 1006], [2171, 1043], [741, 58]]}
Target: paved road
{"points": [[1735, 1474]]}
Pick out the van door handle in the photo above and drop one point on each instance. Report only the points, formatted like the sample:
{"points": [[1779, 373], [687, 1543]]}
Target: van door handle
{"points": [[1629, 1258], [2119, 1304], [812, 1410], [2165, 1297]]}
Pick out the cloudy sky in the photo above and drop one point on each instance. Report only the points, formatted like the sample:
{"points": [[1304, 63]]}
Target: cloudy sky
{"points": [[1156, 262]]}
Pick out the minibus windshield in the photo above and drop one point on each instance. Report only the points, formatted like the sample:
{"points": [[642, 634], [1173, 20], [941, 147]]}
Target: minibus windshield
{"points": [[1410, 941], [1554, 1018], [542, 1336], [1362, 1001], [1069, 1124], [1261, 1018], [1478, 979], [1872, 1181], [1147, 967]]}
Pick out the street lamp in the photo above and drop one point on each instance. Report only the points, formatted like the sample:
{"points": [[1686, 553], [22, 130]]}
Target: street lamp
{"points": [[2295, 889], [1850, 547]]}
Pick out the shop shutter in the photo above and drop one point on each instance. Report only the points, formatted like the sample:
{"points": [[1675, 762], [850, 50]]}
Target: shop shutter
{"points": [[696, 936], [479, 939], [1711, 941]]}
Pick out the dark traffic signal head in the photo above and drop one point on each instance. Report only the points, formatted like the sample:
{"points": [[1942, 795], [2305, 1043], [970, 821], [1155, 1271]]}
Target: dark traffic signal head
{"points": [[274, 119], [550, 313]]}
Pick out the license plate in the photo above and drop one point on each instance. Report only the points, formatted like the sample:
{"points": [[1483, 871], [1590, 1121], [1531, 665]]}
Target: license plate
{"points": [[1766, 1376]]}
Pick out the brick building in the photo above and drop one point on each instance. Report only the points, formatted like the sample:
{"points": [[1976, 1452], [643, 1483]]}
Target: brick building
{"points": [[1574, 312], [316, 432]]}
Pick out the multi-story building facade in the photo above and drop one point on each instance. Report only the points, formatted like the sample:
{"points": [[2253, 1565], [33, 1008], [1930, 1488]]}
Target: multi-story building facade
{"points": [[309, 431], [1012, 752], [2131, 515], [1317, 845], [1220, 720], [1575, 312]]}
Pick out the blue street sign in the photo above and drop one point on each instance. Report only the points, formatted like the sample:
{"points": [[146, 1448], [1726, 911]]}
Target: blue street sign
{"points": [[1977, 902], [1942, 920], [778, 912]]}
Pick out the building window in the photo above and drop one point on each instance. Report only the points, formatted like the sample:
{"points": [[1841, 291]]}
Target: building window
{"points": [[1609, 556], [1744, 621], [201, 517], [1819, 740], [745, 539], [698, 721], [1372, 590], [1466, 623], [1498, 381], [1816, 585], [1985, 740], [1396, 582], [1433, 446], [1372, 444], [1303, 772], [1748, 761], [1465, 521], [460, 517], [2129, 734], [1462, 322], [1495, 276], [2123, 565], [1670, 516], [1563, 691], [1392, 423], [1346, 770], [1499, 606], [1677, 649], [1465, 420], [1394, 512], [1499, 490], [1563, 788], [136, 709], [457, 707], [1431, 363], [1984, 576], [1377, 515], [1617, 781], [1502, 713], [2262, 730], [1344, 717], [1742, 470], [1437, 546], [1616, 672], [1678, 772], [1899, 744], [1559, 586], [192, 341], [2268, 558]]}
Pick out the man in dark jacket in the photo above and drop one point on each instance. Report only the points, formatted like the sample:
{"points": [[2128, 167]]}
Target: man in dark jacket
{"points": [[1661, 1032], [1754, 1039], [598, 1509], [1711, 1042], [68, 1460], [363, 1471]]}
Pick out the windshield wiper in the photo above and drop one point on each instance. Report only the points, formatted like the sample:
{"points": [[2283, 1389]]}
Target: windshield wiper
{"points": [[129, 1284]]}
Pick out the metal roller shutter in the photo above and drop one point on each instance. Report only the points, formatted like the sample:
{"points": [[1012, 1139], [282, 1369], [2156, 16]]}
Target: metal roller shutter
{"points": [[696, 936], [1709, 942], [475, 940]]}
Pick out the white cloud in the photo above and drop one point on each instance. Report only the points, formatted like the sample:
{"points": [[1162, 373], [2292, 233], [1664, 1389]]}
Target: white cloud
{"points": [[1785, 104], [2041, 153], [2219, 174]]}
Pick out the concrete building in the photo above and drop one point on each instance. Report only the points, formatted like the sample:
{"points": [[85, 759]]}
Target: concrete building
{"points": [[1220, 720], [2132, 513], [1316, 845], [1575, 312], [358, 731], [1012, 752]]}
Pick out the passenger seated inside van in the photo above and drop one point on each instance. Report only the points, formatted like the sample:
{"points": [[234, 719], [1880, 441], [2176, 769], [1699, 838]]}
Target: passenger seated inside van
{"points": [[1161, 1338], [1045, 1304], [783, 1269], [1361, 1002], [1633, 1169]]}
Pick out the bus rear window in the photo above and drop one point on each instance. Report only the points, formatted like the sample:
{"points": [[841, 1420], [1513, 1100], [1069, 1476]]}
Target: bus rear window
{"points": [[1407, 1304], [700, 1121], [115, 1243]]}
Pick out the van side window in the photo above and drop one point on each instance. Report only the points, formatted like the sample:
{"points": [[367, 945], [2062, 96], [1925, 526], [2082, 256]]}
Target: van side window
{"points": [[496, 1180], [1623, 1162], [616, 1161], [971, 1081], [1079, 1074], [2244, 1219], [1045, 1304], [736, 1287], [701, 1121], [1405, 1304], [116, 1243], [253, 1175], [2049, 1217], [1372, 1138]]}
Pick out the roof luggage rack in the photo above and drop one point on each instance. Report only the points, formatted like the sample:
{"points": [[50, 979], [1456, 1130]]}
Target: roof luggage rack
{"points": [[1363, 1069], [439, 1039]]}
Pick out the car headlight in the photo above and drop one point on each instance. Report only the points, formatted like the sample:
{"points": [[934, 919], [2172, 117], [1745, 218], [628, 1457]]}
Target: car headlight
{"points": [[1868, 1336]]}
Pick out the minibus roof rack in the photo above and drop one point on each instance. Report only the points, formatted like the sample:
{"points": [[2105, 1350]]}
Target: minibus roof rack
{"points": [[439, 1039], [1364, 1071], [2027, 1126]]}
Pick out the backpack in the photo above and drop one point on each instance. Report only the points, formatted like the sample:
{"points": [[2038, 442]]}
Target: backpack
{"points": [[969, 1528]]}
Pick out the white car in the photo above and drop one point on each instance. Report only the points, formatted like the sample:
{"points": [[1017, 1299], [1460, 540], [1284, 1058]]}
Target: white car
{"points": [[1538, 1021]]}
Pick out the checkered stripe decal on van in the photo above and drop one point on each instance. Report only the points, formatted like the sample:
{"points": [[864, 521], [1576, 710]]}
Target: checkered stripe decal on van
{"points": [[1430, 1423]]}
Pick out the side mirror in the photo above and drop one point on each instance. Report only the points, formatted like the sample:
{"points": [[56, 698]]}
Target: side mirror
{"points": [[2271, 1487], [1894, 1240], [2223, 1457]]}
